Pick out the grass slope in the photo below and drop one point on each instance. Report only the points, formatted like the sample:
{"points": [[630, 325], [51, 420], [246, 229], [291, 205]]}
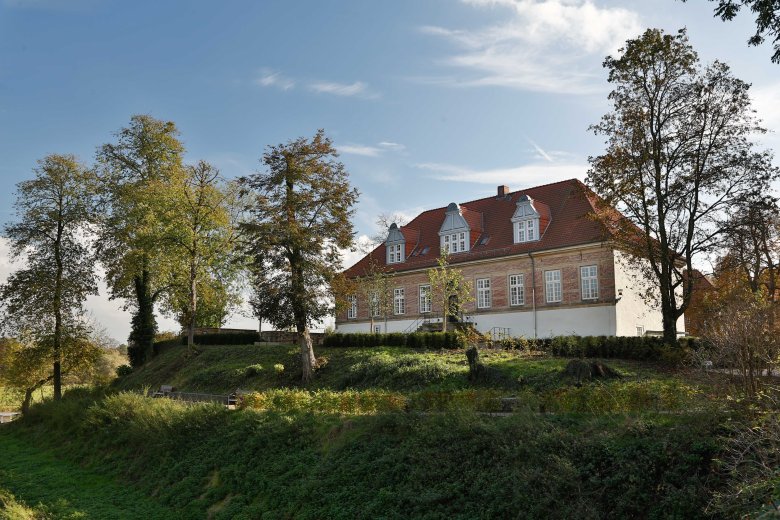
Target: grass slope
{"points": [[222, 369], [69, 491], [207, 461]]}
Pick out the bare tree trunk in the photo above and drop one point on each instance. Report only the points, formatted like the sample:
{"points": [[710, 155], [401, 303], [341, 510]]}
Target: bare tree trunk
{"points": [[193, 304], [57, 369], [27, 398], [308, 361]]}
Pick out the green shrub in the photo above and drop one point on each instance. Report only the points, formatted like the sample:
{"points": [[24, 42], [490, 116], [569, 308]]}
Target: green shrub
{"points": [[124, 370], [641, 348], [253, 370], [429, 340]]}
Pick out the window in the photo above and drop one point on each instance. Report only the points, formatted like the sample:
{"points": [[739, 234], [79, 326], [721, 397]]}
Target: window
{"points": [[484, 299], [399, 301], [425, 298], [455, 242], [373, 302], [516, 289], [640, 330], [589, 278], [552, 286], [352, 311], [525, 230], [395, 253]]}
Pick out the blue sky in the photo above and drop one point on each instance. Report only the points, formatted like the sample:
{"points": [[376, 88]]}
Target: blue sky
{"points": [[428, 101]]}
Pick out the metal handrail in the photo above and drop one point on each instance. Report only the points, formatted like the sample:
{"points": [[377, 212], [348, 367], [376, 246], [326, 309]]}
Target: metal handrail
{"points": [[499, 333]]}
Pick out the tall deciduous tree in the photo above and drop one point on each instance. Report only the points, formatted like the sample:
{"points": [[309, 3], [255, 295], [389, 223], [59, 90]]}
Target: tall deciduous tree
{"points": [[375, 288], [299, 216], [450, 291], [752, 245], [767, 13], [140, 173], [203, 240], [44, 300], [678, 159]]}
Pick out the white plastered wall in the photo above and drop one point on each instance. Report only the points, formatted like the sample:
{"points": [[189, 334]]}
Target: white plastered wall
{"points": [[585, 321], [633, 308]]}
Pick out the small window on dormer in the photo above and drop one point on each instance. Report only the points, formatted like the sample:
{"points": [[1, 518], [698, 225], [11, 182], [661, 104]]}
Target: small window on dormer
{"points": [[395, 245], [525, 220], [455, 231]]}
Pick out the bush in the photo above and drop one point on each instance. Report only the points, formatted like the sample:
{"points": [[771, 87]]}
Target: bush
{"points": [[642, 348], [253, 370], [279, 368], [124, 370], [430, 340]]}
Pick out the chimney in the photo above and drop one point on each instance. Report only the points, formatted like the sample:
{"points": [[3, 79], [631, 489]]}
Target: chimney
{"points": [[503, 191]]}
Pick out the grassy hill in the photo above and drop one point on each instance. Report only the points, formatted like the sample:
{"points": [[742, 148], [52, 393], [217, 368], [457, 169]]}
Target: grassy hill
{"points": [[640, 446]]}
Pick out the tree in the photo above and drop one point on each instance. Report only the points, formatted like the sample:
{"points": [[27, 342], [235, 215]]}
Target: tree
{"points": [[44, 300], [752, 245], [741, 333], [140, 173], [767, 19], [300, 212], [203, 241], [375, 288], [450, 291], [678, 160]]}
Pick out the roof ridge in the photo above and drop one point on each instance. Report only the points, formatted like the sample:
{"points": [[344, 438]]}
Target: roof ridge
{"points": [[573, 179]]}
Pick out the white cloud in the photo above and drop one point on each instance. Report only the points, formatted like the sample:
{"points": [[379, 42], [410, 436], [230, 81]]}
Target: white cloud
{"points": [[359, 149], [519, 176], [389, 145], [270, 78], [370, 150], [356, 89], [541, 153], [545, 45]]}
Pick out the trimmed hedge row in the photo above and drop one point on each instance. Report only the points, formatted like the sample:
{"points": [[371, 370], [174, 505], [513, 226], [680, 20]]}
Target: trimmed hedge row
{"points": [[232, 338], [644, 348], [431, 340]]}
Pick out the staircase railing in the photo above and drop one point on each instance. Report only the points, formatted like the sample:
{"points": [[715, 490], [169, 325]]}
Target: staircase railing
{"points": [[499, 333], [425, 318]]}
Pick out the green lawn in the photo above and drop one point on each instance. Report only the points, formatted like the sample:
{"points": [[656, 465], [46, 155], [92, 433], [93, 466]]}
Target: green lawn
{"points": [[43, 486], [380, 433]]}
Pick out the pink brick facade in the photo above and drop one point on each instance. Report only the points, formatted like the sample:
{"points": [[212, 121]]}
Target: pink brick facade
{"points": [[568, 261]]}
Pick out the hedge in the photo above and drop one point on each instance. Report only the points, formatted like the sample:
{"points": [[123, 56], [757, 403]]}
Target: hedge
{"points": [[231, 338], [431, 340], [643, 348]]}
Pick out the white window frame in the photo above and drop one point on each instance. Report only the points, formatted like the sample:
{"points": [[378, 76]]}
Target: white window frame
{"points": [[516, 290], [352, 309], [589, 282], [484, 293], [457, 242], [526, 230], [553, 286], [395, 253], [399, 301], [640, 330], [425, 298]]}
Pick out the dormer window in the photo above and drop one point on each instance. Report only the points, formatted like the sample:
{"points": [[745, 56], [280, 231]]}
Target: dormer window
{"points": [[395, 245], [525, 220], [455, 233]]}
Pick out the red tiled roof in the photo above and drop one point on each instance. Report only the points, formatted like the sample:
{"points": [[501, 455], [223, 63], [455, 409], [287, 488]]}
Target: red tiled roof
{"points": [[565, 205]]}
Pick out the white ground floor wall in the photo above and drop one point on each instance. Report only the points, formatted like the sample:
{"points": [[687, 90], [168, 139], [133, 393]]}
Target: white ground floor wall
{"points": [[595, 320]]}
